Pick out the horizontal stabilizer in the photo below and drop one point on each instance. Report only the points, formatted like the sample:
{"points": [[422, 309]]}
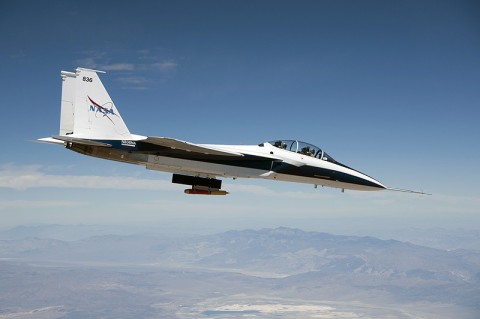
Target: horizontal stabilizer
{"points": [[80, 141], [189, 147], [50, 140]]}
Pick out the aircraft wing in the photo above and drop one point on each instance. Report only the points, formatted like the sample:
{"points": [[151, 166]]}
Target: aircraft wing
{"points": [[189, 147]]}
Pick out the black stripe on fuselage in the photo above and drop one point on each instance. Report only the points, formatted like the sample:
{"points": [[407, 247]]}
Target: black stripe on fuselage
{"points": [[321, 173], [246, 161]]}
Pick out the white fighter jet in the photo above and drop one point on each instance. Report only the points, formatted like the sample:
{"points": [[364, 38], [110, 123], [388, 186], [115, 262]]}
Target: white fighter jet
{"points": [[90, 124]]}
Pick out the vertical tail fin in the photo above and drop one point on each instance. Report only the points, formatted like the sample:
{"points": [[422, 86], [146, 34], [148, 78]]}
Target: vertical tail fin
{"points": [[68, 103], [87, 110]]}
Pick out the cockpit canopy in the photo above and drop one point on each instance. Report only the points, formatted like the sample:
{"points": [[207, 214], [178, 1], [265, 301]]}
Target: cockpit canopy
{"points": [[303, 148]]}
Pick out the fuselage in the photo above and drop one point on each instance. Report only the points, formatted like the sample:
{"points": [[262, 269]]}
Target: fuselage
{"points": [[282, 160]]}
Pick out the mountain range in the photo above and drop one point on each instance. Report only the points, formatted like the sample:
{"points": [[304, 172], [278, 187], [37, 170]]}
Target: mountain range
{"points": [[282, 263]]}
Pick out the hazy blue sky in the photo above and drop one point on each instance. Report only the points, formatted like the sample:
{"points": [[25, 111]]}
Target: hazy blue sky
{"points": [[391, 88]]}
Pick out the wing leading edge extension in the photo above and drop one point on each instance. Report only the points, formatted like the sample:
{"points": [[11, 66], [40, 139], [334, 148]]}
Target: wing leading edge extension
{"points": [[189, 147]]}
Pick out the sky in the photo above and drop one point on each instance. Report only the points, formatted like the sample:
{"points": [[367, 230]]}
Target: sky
{"points": [[391, 88]]}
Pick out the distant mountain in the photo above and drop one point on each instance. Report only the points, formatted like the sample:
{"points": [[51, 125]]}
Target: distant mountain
{"points": [[277, 252], [445, 239], [441, 238], [64, 232], [291, 251], [282, 261]]}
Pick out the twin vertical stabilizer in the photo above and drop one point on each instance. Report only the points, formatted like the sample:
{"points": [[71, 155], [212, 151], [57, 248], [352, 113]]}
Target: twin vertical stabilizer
{"points": [[87, 111]]}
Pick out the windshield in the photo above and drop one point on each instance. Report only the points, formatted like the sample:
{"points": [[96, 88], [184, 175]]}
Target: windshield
{"points": [[302, 148]]}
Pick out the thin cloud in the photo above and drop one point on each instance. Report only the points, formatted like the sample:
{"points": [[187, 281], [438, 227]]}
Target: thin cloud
{"points": [[118, 67], [164, 66], [30, 177], [137, 74], [23, 178], [90, 59], [89, 63], [136, 80], [8, 204], [100, 60], [143, 52]]}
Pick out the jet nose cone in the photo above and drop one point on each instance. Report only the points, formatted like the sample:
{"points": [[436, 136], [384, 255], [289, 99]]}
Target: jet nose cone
{"points": [[371, 183], [378, 184]]}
